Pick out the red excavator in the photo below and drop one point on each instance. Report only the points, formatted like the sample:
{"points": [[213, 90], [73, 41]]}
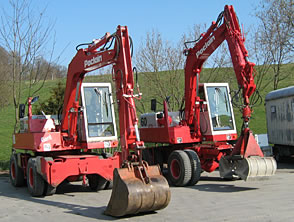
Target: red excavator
{"points": [[202, 135], [48, 151]]}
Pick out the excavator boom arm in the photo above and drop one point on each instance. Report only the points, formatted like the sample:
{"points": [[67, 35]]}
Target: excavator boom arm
{"points": [[97, 55], [225, 28]]}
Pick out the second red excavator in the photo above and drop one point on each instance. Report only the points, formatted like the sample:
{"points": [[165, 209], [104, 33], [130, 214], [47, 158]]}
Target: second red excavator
{"points": [[203, 135]]}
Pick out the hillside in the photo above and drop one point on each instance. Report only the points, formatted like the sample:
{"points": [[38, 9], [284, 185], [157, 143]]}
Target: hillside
{"points": [[257, 124]]}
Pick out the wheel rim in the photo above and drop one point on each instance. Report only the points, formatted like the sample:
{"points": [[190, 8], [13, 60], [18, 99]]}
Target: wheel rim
{"points": [[12, 168], [175, 168], [31, 177]]}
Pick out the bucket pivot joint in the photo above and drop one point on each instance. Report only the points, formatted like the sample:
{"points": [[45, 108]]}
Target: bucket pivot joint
{"points": [[140, 169]]}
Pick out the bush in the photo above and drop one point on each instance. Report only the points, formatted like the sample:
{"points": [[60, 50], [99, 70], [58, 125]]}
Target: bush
{"points": [[53, 105]]}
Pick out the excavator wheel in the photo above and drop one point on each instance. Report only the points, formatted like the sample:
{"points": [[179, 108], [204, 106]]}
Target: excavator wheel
{"points": [[179, 168], [147, 156], [109, 185], [131, 194], [35, 182], [49, 190], [15, 172], [195, 167]]}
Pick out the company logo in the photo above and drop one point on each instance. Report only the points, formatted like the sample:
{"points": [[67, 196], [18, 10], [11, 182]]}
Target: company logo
{"points": [[208, 43], [92, 61], [45, 139]]}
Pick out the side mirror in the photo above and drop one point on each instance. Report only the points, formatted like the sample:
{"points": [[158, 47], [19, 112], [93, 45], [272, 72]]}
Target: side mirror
{"points": [[35, 99], [21, 111], [153, 105]]}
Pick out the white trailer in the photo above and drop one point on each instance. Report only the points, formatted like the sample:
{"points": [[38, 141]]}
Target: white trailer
{"points": [[279, 106]]}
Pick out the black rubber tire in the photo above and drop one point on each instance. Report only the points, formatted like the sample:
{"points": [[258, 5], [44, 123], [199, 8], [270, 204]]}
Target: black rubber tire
{"points": [[179, 168], [277, 154], [109, 185], [35, 182], [49, 190], [96, 182], [158, 158], [16, 173], [147, 156], [195, 166]]}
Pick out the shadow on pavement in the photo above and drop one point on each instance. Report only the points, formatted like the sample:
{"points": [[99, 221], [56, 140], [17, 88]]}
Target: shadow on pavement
{"points": [[67, 189], [221, 185], [223, 188], [20, 193]]}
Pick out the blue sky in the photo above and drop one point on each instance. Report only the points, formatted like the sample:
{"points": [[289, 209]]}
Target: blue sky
{"points": [[82, 21]]}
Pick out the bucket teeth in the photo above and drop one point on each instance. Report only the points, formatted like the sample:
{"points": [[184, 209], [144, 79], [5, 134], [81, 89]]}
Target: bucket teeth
{"points": [[131, 195]]}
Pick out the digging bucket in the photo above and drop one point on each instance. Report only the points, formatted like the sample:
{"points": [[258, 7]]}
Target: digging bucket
{"points": [[132, 193]]}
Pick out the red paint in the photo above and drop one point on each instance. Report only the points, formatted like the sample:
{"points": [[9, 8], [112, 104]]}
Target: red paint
{"points": [[211, 148], [61, 143]]}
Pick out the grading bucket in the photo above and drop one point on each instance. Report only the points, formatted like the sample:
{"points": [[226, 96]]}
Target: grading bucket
{"points": [[250, 168], [255, 168], [132, 194]]}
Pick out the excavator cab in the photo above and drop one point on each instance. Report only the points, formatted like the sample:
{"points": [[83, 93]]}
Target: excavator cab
{"points": [[98, 120], [217, 117]]}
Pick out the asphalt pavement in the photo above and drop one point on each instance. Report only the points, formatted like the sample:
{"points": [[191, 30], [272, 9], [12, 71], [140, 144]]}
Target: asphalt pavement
{"points": [[212, 199]]}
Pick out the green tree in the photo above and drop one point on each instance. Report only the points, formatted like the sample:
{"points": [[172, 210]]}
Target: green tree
{"points": [[275, 37], [25, 33], [53, 105]]}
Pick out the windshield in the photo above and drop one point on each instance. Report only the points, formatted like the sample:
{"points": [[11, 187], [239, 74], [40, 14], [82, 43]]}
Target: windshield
{"points": [[220, 109], [98, 111]]}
